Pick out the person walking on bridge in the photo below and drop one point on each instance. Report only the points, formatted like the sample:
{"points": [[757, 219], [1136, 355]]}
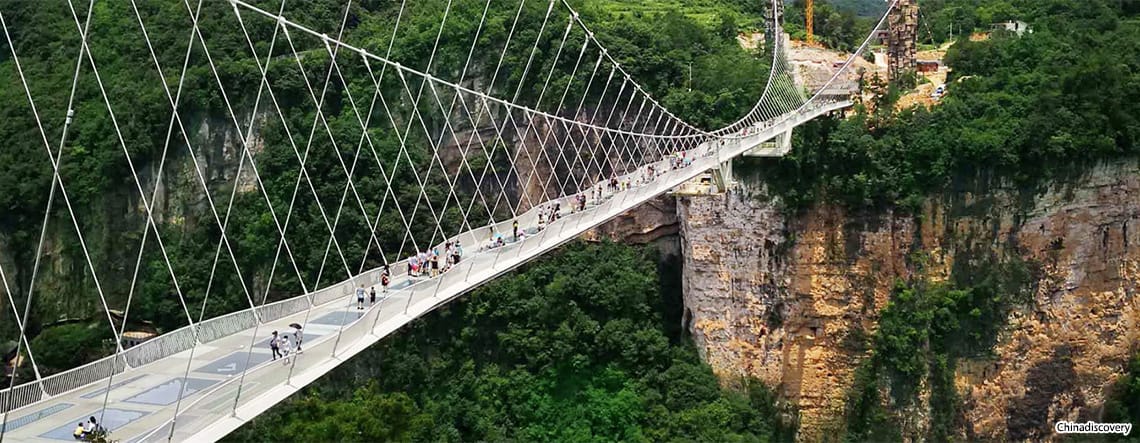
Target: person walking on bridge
{"points": [[360, 297], [275, 346], [372, 296], [286, 348], [297, 336]]}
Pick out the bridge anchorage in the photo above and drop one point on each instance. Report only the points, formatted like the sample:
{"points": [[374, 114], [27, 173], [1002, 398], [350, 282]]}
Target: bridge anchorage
{"points": [[443, 185]]}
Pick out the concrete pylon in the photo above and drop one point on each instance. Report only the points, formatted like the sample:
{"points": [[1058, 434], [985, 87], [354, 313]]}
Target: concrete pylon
{"points": [[723, 176]]}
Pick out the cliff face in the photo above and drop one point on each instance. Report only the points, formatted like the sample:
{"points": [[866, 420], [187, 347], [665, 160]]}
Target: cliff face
{"points": [[113, 223], [791, 299], [655, 219]]}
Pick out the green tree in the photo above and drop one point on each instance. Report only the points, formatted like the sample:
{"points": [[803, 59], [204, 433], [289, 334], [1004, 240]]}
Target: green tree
{"points": [[63, 347]]}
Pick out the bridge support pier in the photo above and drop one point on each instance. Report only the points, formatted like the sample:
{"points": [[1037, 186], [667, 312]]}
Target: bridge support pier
{"points": [[777, 147], [723, 177], [784, 142]]}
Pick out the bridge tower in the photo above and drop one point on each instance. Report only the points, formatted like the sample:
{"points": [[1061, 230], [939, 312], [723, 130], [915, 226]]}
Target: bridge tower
{"points": [[903, 22], [774, 22]]}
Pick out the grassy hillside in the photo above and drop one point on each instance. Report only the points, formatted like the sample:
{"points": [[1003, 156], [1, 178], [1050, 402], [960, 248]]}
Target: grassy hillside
{"points": [[861, 8], [749, 15]]}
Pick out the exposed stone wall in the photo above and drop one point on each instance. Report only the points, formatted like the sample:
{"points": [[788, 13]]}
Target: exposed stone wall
{"points": [[655, 219], [120, 215], [789, 299], [777, 299]]}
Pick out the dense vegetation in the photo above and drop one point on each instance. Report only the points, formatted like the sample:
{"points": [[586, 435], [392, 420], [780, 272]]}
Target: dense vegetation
{"points": [[585, 345], [657, 47], [1021, 110], [861, 8], [1027, 109], [1123, 404], [64, 347], [839, 27], [922, 333]]}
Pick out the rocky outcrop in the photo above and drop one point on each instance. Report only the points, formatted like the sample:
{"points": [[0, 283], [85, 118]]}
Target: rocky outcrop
{"points": [[1063, 351], [655, 219], [779, 299], [530, 160], [113, 223], [790, 299]]}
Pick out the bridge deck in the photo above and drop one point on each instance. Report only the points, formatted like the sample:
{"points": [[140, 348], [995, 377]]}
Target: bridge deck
{"points": [[143, 399]]}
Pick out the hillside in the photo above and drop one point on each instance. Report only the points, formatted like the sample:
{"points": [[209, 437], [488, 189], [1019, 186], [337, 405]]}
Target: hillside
{"points": [[967, 271], [861, 8]]}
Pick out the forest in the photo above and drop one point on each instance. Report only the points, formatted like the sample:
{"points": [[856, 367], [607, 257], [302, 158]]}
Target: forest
{"points": [[1024, 112], [1028, 110], [584, 345]]}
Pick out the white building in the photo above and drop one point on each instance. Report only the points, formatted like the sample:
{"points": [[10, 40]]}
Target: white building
{"points": [[1015, 26]]}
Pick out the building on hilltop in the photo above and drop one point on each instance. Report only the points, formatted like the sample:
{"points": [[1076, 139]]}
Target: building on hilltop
{"points": [[1015, 26], [925, 66]]}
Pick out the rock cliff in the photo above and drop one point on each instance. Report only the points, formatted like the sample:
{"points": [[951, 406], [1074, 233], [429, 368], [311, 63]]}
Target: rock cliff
{"points": [[113, 223], [791, 298]]}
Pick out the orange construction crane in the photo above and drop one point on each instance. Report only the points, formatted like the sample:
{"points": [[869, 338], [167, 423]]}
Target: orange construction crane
{"points": [[809, 11]]}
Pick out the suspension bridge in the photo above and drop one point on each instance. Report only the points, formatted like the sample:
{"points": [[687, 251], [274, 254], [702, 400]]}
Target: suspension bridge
{"points": [[581, 151]]}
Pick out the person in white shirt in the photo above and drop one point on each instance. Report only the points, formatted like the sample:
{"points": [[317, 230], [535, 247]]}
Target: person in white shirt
{"points": [[286, 347]]}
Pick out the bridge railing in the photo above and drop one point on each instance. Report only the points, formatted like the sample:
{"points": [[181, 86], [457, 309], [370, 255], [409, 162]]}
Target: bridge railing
{"points": [[282, 308], [20, 396], [424, 294], [66, 381], [160, 347], [226, 325]]}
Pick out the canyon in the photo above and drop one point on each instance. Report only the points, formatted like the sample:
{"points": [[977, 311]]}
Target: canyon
{"points": [[791, 297]]}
